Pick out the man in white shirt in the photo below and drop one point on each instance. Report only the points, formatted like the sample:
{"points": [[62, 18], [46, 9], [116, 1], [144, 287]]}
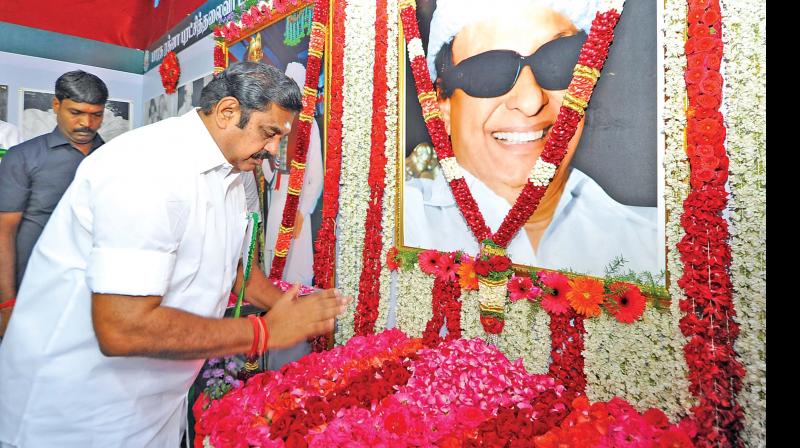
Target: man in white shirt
{"points": [[126, 288], [501, 74]]}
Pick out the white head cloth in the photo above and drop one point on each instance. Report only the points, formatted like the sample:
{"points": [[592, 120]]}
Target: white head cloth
{"points": [[453, 15], [297, 72]]}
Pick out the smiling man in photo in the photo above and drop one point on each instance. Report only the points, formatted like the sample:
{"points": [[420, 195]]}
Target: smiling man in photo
{"points": [[500, 75]]}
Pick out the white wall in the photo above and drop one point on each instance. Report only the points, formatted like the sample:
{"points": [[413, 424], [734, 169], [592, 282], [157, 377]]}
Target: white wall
{"points": [[196, 61], [28, 72]]}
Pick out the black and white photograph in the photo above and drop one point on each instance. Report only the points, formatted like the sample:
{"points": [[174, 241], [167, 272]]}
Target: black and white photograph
{"points": [[189, 93], [38, 117], [3, 103], [161, 107]]}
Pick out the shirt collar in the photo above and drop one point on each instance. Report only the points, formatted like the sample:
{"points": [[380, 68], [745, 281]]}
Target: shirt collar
{"points": [[206, 153], [56, 139]]}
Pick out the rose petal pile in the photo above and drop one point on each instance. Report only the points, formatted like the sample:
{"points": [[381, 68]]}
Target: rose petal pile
{"points": [[390, 390]]}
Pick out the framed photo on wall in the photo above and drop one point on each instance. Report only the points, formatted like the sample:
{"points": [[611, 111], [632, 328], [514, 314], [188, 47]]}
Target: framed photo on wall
{"points": [[4, 103], [603, 211], [37, 116]]}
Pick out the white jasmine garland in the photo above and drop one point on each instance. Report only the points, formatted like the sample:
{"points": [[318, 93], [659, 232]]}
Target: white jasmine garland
{"points": [[451, 169], [744, 98], [358, 60], [414, 308], [471, 326], [390, 192], [494, 296], [608, 5], [541, 173]]}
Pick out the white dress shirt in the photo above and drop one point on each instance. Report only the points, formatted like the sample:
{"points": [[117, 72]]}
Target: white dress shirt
{"points": [[589, 228], [157, 211]]}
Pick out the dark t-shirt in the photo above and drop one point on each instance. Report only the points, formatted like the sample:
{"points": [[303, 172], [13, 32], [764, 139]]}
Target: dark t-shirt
{"points": [[33, 177]]}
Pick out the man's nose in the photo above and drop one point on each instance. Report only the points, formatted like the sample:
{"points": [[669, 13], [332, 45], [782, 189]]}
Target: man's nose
{"points": [[527, 95]]}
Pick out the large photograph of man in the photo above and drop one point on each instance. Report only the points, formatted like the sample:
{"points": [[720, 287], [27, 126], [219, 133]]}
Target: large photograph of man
{"points": [[500, 74], [284, 44]]}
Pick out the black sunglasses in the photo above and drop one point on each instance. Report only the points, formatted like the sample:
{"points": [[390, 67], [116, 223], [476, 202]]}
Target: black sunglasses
{"points": [[493, 73]]}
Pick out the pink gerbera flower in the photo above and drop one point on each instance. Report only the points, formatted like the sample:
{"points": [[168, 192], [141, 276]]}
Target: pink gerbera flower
{"points": [[428, 260], [447, 267], [555, 302], [522, 288]]}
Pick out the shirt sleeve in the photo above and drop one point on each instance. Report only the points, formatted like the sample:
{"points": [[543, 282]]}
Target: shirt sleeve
{"points": [[15, 182], [136, 228]]}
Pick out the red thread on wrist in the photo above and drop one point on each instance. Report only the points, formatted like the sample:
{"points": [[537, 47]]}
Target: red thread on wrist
{"points": [[266, 332], [256, 335], [8, 303]]}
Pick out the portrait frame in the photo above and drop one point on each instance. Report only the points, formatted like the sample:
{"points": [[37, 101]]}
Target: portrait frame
{"points": [[300, 13], [36, 115], [409, 140]]}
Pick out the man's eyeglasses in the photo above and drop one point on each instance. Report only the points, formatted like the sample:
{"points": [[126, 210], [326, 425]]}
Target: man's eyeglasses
{"points": [[493, 73]]}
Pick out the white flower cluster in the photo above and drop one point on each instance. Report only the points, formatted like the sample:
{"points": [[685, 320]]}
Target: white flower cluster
{"points": [[359, 58], [390, 191], [471, 326], [451, 169], [523, 337], [494, 296], [541, 173], [414, 308], [415, 48], [744, 97], [636, 362]]}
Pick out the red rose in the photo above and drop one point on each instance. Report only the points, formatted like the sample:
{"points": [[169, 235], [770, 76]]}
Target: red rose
{"points": [[492, 325], [482, 267], [280, 426], [710, 17], [296, 440], [499, 263]]}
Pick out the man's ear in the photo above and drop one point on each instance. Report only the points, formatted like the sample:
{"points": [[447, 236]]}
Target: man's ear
{"points": [[56, 104], [227, 112], [444, 106]]}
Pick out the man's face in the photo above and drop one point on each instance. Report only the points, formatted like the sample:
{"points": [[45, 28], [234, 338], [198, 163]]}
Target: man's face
{"points": [[499, 139], [78, 122], [261, 135]]}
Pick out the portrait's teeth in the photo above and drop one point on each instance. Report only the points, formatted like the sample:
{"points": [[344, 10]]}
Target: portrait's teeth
{"points": [[519, 137]]}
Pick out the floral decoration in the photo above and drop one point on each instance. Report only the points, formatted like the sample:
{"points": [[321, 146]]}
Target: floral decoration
{"points": [[744, 96], [715, 373], [369, 283], [389, 390], [170, 71]]}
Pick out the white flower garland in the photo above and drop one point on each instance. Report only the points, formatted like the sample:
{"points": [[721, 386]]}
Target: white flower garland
{"points": [[471, 326], [451, 169], [744, 96], [414, 308], [523, 338], [541, 173], [390, 193], [358, 60]]}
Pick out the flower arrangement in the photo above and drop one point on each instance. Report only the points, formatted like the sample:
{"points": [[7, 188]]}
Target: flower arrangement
{"points": [[170, 71], [390, 390], [221, 375]]}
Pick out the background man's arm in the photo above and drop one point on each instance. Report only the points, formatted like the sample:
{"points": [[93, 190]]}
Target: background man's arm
{"points": [[9, 223]]}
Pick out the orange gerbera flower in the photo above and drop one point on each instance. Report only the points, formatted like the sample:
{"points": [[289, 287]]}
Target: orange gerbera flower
{"points": [[586, 296], [467, 278]]}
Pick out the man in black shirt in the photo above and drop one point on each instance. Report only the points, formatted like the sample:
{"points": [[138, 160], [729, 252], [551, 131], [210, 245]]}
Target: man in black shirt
{"points": [[35, 174]]}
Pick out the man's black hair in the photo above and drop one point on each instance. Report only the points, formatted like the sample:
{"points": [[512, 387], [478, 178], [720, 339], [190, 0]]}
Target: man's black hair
{"points": [[81, 87], [256, 86]]}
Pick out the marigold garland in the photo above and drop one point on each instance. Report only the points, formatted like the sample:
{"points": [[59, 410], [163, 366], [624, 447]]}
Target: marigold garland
{"points": [[170, 70], [715, 374]]}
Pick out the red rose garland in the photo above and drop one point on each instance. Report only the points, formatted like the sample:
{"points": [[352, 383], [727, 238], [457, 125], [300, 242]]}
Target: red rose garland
{"points": [[566, 339], [170, 71], [715, 374], [446, 305], [325, 246], [316, 47], [369, 283]]}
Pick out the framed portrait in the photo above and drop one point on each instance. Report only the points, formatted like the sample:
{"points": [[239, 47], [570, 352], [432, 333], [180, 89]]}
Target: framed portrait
{"points": [[283, 42], [4, 103], [188, 95], [161, 107], [603, 212], [38, 117]]}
